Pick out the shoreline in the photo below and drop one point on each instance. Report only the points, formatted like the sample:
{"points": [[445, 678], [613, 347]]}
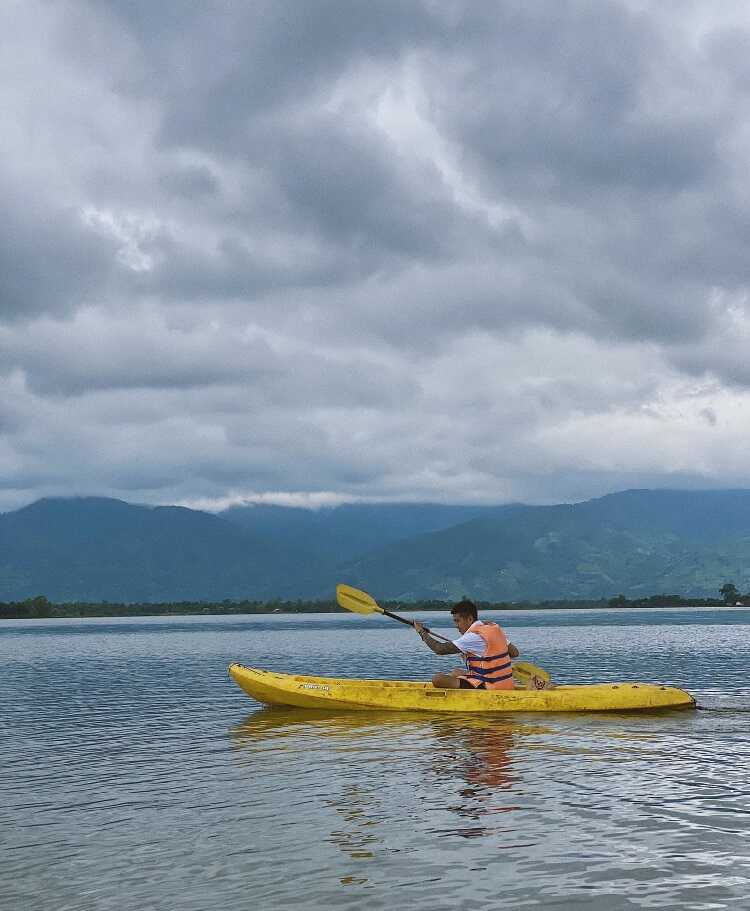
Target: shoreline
{"points": [[43, 609]]}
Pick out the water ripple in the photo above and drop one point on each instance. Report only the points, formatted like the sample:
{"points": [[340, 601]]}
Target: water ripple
{"points": [[133, 767]]}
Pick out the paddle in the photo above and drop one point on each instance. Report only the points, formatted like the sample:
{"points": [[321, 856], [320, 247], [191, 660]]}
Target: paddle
{"points": [[525, 675], [530, 677], [361, 603]]}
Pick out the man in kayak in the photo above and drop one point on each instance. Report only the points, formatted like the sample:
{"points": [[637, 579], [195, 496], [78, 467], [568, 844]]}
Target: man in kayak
{"points": [[484, 646]]}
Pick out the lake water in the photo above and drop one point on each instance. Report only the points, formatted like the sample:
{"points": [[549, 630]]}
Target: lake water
{"points": [[136, 775]]}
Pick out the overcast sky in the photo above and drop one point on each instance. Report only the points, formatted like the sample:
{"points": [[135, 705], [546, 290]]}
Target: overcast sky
{"points": [[323, 250]]}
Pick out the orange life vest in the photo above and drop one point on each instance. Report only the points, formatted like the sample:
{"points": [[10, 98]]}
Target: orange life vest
{"points": [[494, 670]]}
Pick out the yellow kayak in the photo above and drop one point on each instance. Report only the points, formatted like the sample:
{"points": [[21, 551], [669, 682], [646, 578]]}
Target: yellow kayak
{"points": [[403, 695]]}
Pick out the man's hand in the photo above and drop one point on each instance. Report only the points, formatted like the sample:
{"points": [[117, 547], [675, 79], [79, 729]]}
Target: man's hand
{"points": [[440, 648]]}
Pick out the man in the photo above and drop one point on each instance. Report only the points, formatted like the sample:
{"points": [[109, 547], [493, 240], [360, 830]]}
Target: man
{"points": [[484, 646]]}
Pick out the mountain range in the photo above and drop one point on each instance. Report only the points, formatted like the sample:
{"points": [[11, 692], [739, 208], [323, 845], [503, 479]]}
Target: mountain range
{"points": [[636, 543]]}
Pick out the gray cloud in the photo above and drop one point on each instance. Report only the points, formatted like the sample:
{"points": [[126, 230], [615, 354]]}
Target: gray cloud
{"points": [[49, 262], [436, 250], [551, 99], [266, 56], [190, 183]]}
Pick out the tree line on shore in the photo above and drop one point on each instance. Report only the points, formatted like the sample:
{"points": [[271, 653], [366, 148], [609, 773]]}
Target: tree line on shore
{"points": [[41, 607]]}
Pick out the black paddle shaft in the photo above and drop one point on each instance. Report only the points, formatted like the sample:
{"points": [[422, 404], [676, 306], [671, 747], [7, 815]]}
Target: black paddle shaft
{"points": [[411, 623]]}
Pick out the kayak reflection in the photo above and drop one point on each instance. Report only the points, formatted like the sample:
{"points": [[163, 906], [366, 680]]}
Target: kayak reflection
{"points": [[279, 722], [484, 759], [271, 722], [479, 758], [455, 765], [373, 783]]}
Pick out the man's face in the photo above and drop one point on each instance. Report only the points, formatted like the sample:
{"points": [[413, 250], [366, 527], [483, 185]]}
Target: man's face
{"points": [[461, 622]]}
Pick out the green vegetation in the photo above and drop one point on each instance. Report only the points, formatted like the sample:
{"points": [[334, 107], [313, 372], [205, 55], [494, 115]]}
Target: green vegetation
{"points": [[665, 601], [83, 553], [41, 607], [729, 593]]}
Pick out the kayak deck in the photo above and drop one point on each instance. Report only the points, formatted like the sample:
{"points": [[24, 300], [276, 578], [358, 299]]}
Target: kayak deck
{"points": [[307, 691]]}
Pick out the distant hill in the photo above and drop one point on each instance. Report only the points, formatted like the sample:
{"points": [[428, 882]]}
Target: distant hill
{"points": [[634, 543], [341, 533], [100, 549]]}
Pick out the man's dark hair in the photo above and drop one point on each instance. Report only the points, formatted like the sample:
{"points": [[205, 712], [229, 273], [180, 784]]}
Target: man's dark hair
{"points": [[465, 608]]}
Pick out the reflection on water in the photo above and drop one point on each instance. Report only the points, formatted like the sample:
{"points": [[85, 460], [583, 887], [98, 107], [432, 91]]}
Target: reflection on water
{"points": [[469, 758], [468, 766], [480, 757], [465, 760], [608, 806]]}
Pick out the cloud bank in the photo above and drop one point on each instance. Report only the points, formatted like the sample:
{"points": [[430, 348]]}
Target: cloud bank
{"points": [[339, 250]]}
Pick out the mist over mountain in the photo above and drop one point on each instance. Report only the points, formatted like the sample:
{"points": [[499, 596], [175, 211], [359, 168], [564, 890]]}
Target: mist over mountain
{"points": [[635, 543]]}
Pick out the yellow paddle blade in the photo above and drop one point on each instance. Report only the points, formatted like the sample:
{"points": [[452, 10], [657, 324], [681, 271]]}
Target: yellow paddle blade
{"points": [[354, 600], [530, 677]]}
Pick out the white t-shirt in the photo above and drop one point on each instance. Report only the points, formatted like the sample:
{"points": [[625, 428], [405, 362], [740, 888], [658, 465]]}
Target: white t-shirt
{"points": [[471, 642]]}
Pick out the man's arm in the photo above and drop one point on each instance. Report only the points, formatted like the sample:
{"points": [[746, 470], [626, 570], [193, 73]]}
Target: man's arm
{"points": [[512, 650], [440, 648]]}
